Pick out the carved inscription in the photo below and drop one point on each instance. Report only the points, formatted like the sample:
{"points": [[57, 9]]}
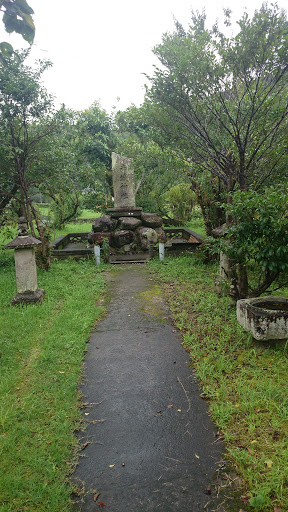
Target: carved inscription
{"points": [[123, 182]]}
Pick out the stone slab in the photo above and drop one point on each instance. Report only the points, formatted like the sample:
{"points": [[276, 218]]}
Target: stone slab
{"points": [[26, 273], [123, 181], [116, 213]]}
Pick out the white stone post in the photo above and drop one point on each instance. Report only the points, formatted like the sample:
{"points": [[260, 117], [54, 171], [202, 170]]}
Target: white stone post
{"points": [[161, 251], [97, 254]]}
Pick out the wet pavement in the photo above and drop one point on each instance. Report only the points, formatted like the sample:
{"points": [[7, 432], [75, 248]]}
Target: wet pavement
{"points": [[151, 444]]}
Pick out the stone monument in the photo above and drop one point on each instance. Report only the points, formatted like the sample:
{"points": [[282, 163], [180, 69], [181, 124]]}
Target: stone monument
{"points": [[130, 232]]}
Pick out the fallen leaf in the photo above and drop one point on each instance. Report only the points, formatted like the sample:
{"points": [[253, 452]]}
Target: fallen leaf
{"points": [[250, 451], [101, 504], [84, 446], [111, 465], [269, 463], [245, 499], [96, 496]]}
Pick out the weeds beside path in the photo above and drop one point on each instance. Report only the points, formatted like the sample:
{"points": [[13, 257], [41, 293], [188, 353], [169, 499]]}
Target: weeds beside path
{"points": [[244, 381], [41, 354]]}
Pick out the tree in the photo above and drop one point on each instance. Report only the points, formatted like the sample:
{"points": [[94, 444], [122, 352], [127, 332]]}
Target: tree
{"points": [[222, 101], [23, 104], [27, 117]]}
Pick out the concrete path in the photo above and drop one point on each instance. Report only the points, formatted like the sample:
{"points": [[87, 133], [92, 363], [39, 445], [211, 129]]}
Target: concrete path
{"points": [[151, 444]]}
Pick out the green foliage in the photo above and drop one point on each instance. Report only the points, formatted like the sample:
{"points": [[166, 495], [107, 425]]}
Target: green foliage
{"points": [[221, 100], [260, 230], [258, 502], [94, 143], [106, 250], [64, 207], [26, 117], [17, 17], [180, 200], [94, 198]]}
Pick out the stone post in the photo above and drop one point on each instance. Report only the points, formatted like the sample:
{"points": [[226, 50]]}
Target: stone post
{"points": [[25, 266]]}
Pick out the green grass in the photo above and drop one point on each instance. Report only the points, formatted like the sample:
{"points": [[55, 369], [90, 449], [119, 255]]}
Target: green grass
{"points": [[245, 382], [89, 214], [41, 354], [197, 225], [83, 227]]}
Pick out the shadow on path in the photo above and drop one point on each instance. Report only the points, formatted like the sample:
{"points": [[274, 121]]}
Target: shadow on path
{"points": [[151, 444]]}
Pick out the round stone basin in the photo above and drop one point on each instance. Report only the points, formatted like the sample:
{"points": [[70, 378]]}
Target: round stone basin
{"points": [[266, 318]]}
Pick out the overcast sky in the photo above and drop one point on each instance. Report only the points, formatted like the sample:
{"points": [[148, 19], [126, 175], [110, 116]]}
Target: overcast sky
{"points": [[101, 48]]}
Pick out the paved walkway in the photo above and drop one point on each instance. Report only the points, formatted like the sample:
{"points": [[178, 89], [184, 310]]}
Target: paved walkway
{"points": [[151, 444]]}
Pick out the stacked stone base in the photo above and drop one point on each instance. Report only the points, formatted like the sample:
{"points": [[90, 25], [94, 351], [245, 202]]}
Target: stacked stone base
{"points": [[29, 297], [128, 234]]}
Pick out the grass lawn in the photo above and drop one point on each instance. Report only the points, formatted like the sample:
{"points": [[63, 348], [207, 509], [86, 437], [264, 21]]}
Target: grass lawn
{"points": [[41, 354], [243, 381]]}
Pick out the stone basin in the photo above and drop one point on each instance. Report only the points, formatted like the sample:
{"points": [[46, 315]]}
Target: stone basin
{"points": [[266, 318]]}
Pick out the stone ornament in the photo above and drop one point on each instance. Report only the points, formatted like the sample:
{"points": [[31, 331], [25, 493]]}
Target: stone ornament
{"points": [[25, 266]]}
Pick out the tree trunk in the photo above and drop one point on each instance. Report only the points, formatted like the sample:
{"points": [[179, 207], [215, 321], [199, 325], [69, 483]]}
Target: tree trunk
{"points": [[242, 281]]}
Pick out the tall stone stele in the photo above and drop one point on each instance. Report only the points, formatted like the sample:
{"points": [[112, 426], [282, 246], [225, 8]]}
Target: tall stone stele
{"points": [[25, 266], [123, 188]]}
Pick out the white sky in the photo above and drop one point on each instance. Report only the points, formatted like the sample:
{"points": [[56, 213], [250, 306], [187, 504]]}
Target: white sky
{"points": [[101, 48]]}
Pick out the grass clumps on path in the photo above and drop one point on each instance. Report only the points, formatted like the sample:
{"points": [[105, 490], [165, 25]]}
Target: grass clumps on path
{"points": [[41, 357], [245, 383]]}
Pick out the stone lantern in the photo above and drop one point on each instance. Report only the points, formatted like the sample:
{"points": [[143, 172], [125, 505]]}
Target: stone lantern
{"points": [[25, 266]]}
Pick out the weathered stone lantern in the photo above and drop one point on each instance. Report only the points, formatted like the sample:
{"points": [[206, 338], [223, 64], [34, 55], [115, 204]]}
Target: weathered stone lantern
{"points": [[25, 266]]}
